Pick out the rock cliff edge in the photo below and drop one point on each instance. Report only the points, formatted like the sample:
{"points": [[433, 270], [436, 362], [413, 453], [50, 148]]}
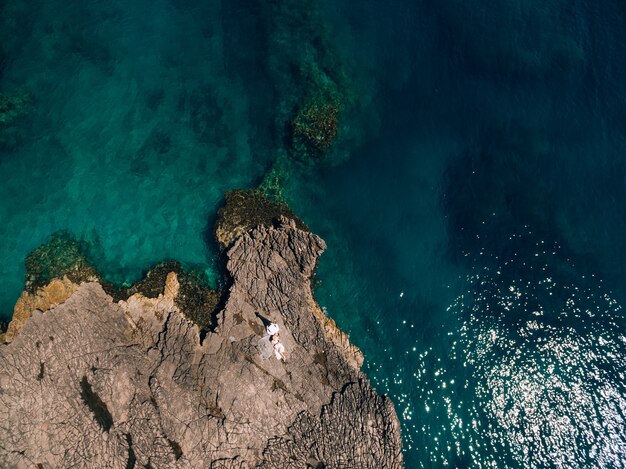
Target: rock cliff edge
{"points": [[122, 383]]}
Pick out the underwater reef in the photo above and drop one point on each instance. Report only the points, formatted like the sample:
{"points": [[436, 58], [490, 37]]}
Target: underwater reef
{"points": [[314, 128], [313, 86], [166, 373]]}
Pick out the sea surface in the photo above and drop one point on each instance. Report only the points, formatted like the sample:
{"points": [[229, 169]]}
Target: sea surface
{"points": [[474, 203]]}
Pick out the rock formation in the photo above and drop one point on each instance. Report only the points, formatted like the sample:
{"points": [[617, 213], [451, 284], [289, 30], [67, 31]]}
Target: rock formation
{"points": [[245, 209], [99, 382]]}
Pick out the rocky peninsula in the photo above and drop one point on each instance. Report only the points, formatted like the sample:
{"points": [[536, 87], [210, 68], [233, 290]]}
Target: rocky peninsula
{"points": [[93, 376]]}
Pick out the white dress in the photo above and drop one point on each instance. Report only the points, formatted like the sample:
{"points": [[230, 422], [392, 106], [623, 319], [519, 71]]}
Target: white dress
{"points": [[279, 349]]}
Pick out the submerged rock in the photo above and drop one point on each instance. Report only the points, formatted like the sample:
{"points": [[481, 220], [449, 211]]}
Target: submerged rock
{"points": [[95, 382], [314, 129], [62, 256], [315, 83]]}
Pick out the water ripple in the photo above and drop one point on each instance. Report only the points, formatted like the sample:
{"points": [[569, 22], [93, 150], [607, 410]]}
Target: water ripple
{"points": [[545, 361]]}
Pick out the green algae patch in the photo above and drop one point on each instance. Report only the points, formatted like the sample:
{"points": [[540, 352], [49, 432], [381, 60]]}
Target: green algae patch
{"points": [[195, 299], [63, 255], [274, 181], [314, 129], [315, 83], [246, 209]]}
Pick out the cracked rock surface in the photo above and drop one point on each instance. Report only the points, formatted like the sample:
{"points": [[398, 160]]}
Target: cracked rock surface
{"points": [[95, 383]]}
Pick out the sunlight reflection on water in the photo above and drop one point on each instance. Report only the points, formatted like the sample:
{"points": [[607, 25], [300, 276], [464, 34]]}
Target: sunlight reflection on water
{"points": [[545, 366]]}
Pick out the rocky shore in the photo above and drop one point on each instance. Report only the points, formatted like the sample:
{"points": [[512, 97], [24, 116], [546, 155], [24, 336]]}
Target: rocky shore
{"points": [[96, 378]]}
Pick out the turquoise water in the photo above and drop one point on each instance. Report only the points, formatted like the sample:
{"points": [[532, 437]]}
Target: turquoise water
{"points": [[474, 208]]}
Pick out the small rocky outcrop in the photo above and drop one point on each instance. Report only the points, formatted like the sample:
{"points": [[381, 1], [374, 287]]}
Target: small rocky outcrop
{"points": [[95, 382], [245, 209]]}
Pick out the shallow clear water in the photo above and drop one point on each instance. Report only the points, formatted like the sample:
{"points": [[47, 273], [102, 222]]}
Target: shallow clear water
{"points": [[474, 215]]}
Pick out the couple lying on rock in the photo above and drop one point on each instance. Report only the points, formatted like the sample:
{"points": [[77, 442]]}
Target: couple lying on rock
{"points": [[271, 344]]}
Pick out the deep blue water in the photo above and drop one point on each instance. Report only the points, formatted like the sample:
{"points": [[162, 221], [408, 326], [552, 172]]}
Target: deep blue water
{"points": [[474, 207]]}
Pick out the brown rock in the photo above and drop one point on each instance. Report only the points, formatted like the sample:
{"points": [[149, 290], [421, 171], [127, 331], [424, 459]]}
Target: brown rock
{"points": [[95, 383], [171, 286], [44, 299]]}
